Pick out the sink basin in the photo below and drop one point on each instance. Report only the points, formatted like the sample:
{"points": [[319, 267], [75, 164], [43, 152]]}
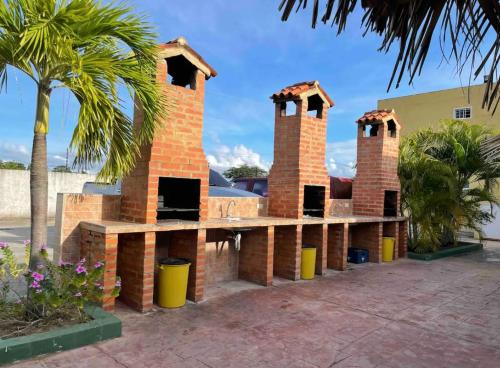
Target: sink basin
{"points": [[232, 219]]}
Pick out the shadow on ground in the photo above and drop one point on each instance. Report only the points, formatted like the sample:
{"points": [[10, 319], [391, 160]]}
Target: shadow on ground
{"points": [[443, 313]]}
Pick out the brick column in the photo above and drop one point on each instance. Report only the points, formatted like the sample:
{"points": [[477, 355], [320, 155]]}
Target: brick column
{"points": [[317, 235], [403, 239], [338, 242], [190, 244], [136, 268], [256, 256], [287, 248], [102, 247]]}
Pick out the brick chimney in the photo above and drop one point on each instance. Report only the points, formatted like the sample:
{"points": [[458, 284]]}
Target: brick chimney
{"points": [[376, 188], [298, 180], [170, 179]]}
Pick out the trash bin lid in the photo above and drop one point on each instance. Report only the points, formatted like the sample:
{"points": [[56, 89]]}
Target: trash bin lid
{"points": [[308, 246], [174, 261]]}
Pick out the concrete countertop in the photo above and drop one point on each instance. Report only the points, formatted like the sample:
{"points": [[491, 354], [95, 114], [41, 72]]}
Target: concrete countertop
{"points": [[121, 227]]}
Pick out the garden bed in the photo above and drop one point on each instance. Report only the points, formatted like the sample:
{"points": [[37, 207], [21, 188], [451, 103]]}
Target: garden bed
{"points": [[102, 326], [446, 252]]}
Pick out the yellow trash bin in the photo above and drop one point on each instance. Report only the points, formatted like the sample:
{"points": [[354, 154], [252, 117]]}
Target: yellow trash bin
{"points": [[172, 282], [308, 262], [387, 248]]}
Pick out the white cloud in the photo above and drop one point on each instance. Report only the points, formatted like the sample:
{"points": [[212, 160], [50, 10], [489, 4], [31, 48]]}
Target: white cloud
{"points": [[14, 152], [225, 157], [341, 158]]}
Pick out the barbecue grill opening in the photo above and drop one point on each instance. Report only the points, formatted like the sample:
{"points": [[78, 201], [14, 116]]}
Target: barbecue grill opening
{"points": [[369, 130], [390, 203], [314, 200], [181, 72], [315, 106], [178, 199], [288, 108], [391, 128]]}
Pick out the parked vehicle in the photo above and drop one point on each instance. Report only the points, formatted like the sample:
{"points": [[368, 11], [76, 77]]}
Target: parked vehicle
{"points": [[91, 187], [254, 185], [340, 187]]}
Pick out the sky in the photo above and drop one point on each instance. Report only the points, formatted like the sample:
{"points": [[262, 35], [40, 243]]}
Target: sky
{"points": [[255, 55]]}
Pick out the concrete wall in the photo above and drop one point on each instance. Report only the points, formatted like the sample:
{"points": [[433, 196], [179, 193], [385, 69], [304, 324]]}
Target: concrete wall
{"points": [[15, 191]]}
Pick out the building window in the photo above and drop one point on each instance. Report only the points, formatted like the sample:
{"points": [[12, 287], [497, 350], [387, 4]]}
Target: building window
{"points": [[462, 113]]}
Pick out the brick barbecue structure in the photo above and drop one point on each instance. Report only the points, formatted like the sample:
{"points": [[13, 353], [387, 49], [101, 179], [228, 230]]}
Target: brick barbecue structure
{"points": [[176, 150], [376, 188], [298, 177], [165, 211]]}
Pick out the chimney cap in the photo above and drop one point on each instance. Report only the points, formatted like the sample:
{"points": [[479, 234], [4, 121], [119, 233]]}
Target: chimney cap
{"points": [[302, 90], [179, 46], [380, 116]]}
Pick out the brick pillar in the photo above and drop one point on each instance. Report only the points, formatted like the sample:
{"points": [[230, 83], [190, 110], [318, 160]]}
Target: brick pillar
{"points": [[369, 236], [287, 247], [317, 235], [338, 242], [256, 256], [403, 239], [102, 247], [190, 244], [136, 268]]}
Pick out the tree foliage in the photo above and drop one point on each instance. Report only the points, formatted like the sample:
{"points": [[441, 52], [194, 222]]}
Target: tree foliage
{"points": [[91, 48], [469, 32], [445, 178], [62, 168], [245, 171], [12, 165]]}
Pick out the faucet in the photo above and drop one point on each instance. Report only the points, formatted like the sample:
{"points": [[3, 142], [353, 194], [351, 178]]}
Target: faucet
{"points": [[229, 206]]}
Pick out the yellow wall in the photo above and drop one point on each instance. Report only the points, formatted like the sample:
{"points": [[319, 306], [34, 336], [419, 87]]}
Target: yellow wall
{"points": [[427, 109]]}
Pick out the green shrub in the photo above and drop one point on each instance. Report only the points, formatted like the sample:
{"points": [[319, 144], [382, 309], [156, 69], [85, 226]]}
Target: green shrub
{"points": [[445, 178], [56, 296]]}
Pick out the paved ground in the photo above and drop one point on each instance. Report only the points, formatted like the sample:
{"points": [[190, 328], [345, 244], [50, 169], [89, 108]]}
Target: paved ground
{"points": [[444, 313], [14, 232]]}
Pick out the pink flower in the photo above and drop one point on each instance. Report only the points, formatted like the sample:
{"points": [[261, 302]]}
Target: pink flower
{"points": [[98, 264], [118, 283], [43, 247], [83, 260], [26, 242], [38, 276], [63, 264], [35, 284], [80, 269], [3, 245], [78, 294]]}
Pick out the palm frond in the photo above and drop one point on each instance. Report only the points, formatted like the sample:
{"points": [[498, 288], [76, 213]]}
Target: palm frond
{"points": [[94, 49], [470, 28]]}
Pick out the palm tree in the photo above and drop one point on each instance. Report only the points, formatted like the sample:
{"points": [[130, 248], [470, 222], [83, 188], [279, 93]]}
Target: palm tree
{"points": [[491, 149], [445, 178], [91, 49], [471, 28]]}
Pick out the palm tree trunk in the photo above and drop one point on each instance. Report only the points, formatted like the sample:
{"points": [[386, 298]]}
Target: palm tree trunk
{"points": [[39, 176]]}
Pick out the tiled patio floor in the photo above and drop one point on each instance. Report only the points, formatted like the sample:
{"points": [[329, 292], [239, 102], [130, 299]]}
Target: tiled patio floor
{"points": [[408, 314]]}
